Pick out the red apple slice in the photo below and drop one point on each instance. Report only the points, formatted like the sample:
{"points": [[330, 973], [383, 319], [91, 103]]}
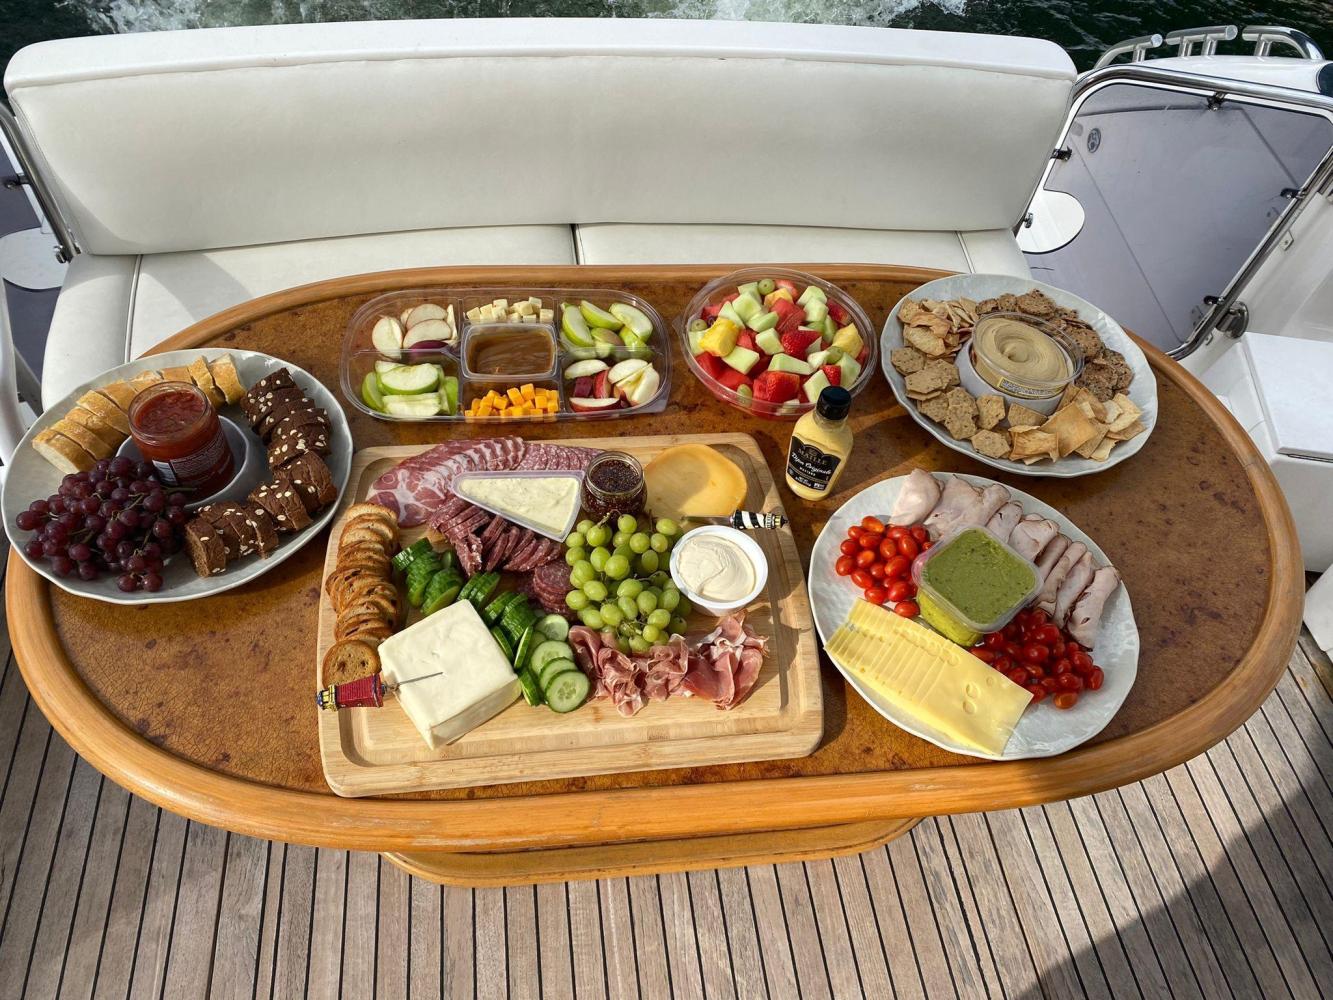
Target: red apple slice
{"points": [[584, 404]]}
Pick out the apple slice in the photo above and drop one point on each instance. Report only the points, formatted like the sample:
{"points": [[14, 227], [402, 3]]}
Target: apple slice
{"points": [[583, 404], [387, 336], [575, 327], [601, 385], [598, 317], [645, 387], [627, 369], [428, 329], [633, 318], [423, 312], [581, 368]]}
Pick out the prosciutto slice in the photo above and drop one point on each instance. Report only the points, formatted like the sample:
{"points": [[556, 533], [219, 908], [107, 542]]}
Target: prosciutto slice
{"points": [[726, 663], [629, 682]]}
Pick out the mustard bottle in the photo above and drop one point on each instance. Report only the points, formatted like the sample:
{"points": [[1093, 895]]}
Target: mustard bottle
{"points": [[821, 443]]}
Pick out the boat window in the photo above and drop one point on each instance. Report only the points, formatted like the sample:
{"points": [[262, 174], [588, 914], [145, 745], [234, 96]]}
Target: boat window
{"points": [[1173, 190]]}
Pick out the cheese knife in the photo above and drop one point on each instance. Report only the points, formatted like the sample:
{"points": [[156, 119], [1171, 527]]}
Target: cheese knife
{"points": [[741, 520]]}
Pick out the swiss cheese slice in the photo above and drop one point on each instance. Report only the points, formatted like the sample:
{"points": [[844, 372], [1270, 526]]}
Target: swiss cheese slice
{"points": [[693, 479], [929, 677]]}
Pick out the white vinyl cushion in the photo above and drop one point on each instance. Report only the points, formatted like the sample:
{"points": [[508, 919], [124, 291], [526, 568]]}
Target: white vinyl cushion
{"points": [[987, 252], [111, 309], [274, 134]]}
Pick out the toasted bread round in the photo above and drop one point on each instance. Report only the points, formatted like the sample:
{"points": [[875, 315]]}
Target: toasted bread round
{"points": [[348, 660]]}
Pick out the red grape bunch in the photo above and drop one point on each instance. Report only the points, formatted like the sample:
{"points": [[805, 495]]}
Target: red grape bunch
{"points": [[115, 518]]}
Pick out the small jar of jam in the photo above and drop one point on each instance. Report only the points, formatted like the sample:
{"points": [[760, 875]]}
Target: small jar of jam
{"points": [[613, 485], [177, 429]]}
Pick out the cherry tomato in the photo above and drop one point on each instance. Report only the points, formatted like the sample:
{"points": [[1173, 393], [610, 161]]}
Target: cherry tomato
{"points": [[1037, 670], [897, 568], [1019, 676], [1082, 662], [855, 531], [849, 547], [1014, 651], [901, 590], [1050, 684], [1037, 691], [868, 541], [1047, 634], [1070, 682], [995, 640], [1002, 663], [909, 547], [1057, 649], [1035, 652], [888, 548], [1039, 617], [1012, 631], [1071, 647], [983, 654], [897, 531], [1061, 666], [927, 546], [1065, 699], [1094, 680], [920, 533], [863, 579], [877, 595], [906, 609], [877, 570], [865, 557], [844, 566], [872, 524]]}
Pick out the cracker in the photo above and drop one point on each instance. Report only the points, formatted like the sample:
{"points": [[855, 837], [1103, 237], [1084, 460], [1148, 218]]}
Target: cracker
{"points": [[936, 408], [1035, 303], [907, 360], [947, 369], [925, 384], [908, 311], [990, 411], [961, 426], [961, 401], [993, 444], [1072, 429], [1022, 416], [1127, 413], [1032, 444], [1132, 431], [926, 341], [1103, 450]]}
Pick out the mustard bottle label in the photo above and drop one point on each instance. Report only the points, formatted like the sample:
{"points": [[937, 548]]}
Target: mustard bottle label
{"points": [[809, 466]]}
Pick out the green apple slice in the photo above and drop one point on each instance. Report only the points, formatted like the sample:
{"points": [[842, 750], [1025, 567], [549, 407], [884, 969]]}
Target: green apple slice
{"points": [[413, 407], [599, 317], [370, 392], [386, 366], [575, 327], [635, 319], [409, 380]]}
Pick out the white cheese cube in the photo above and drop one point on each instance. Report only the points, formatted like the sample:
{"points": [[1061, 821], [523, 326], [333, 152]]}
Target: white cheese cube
{"points": [[547, 315], [474, 681]]}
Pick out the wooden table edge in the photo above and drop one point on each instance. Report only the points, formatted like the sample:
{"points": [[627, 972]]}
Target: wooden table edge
{"points": [[627, 815]]}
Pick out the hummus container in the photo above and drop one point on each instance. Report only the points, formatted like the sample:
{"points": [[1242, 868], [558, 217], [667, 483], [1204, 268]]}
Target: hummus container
{"points": [[1021, 358], [748, 547], [519, 480], [970, 583]]}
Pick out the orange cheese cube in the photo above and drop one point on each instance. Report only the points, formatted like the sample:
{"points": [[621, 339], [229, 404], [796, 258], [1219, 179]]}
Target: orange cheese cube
{"points": [[527, 390], [515, 397]]}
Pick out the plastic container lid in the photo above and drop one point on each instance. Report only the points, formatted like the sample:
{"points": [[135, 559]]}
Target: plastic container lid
{"points": [[939, 608], [546, 531]]}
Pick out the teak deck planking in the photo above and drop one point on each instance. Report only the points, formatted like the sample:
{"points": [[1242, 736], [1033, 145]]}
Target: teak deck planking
{"points": [[379, 751], [222, 730]]}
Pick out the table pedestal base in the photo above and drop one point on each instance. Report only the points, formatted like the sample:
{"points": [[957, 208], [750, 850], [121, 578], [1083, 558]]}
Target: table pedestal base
{"points": [[562, 864]]}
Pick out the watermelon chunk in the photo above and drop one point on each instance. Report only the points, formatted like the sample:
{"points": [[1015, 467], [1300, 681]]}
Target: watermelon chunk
{"points": [[761, 365], [839, 314], [798, 341], [777, 387], [861, 357], [833, 373], [712, 364], [746, 339], [709, 313], [733, 379]]}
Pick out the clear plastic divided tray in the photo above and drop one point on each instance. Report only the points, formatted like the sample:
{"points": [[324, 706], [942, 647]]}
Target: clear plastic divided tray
{"points": [[445, 348], [556, 533]]}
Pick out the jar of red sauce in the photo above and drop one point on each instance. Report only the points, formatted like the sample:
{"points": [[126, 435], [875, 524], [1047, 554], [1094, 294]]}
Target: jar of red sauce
{"points": [[614, 485], [177, 429]]}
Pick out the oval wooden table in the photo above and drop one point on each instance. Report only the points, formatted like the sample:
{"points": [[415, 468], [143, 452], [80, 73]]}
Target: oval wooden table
{"points": [[205, 708]]}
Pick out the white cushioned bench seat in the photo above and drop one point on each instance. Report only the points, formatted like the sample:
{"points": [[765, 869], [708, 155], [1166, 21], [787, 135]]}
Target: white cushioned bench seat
{"points": [[992, 251], [113, 308]]}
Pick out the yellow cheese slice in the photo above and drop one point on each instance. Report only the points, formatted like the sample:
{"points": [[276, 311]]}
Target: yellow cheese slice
{"points": [[929, 677], [693, 479]]}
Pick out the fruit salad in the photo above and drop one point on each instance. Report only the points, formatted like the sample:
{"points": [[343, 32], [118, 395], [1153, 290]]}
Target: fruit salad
{"points": [[776, 344]]}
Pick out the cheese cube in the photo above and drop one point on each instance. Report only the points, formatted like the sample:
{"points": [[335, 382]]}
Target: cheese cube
{"points": [[473, 683]]}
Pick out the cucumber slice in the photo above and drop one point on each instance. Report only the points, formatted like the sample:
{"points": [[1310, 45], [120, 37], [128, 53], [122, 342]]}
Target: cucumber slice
{"points": [[532, 692], [545, 652], [386, 366], [419, 574], [548, 672], [441, 592], [409, 555], [413, 407], [502, 641], [409, 380], [370, 392], [518, 617], [496, 609], [479, 588], [524, 648], [554, 627], [568, 691]]}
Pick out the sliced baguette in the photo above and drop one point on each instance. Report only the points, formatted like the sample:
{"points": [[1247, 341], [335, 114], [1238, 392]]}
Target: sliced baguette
{"points": [[97, 425], [203, 378], [179, 374], [63, 453], [107, 411], [84, 438], [143, 380], [226, 378], [120, 393]]}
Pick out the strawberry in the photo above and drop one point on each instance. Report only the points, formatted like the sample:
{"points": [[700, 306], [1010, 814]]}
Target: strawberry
{"points": [[732, 297], [733, 379], [838, 313], [784, 283], [777, 387], [798, 341], [833, 373], [711, 364]]}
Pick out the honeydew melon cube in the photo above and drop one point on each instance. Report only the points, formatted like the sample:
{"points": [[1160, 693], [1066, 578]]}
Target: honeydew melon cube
{"points": [[787, 363], [769, 342]]}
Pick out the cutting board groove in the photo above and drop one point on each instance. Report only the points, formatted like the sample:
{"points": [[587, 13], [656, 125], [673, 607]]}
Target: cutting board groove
{"points": [[379, 752]]}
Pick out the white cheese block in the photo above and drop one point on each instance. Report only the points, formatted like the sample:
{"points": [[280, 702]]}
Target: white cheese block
{"points": [[475, 681]]}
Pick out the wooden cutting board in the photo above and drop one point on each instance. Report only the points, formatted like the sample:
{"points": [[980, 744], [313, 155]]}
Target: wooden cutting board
{"points": [[378, 751]]}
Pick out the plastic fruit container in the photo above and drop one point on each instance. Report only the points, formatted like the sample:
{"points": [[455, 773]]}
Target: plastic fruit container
{"points": [[715, 292], [978, 553]]}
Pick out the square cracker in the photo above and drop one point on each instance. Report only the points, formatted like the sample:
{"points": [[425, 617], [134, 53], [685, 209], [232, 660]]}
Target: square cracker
{"points": [[1127, 414], [1022, 416], [907, 360], [993, 444], [990, 411], [936, 408]]}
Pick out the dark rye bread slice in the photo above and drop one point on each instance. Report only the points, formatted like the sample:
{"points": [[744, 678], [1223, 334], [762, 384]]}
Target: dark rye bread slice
{"points": [[258, 400], [207, 550], [265, 531], [240, 532], [283, 402], [291, 448], [312, 480], [283, 505], [307, 419]]}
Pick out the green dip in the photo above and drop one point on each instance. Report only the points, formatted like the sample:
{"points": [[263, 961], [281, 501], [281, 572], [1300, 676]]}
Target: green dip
{"points": [[973, 583]]}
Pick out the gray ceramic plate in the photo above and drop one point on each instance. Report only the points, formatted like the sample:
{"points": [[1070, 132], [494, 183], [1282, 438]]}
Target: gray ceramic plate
{"points": [[30, 477], [1143, 390]]}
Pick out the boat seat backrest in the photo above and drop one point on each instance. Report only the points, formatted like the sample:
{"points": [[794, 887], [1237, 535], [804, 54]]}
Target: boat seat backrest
{"points": [[239, 136]]}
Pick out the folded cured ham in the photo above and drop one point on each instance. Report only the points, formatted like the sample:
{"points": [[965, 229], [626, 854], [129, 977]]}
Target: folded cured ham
{"points": [[727, 662], [629, 681]]}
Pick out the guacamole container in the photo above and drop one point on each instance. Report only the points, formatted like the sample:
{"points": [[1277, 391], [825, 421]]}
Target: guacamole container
{"points": [[970, 583]]}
